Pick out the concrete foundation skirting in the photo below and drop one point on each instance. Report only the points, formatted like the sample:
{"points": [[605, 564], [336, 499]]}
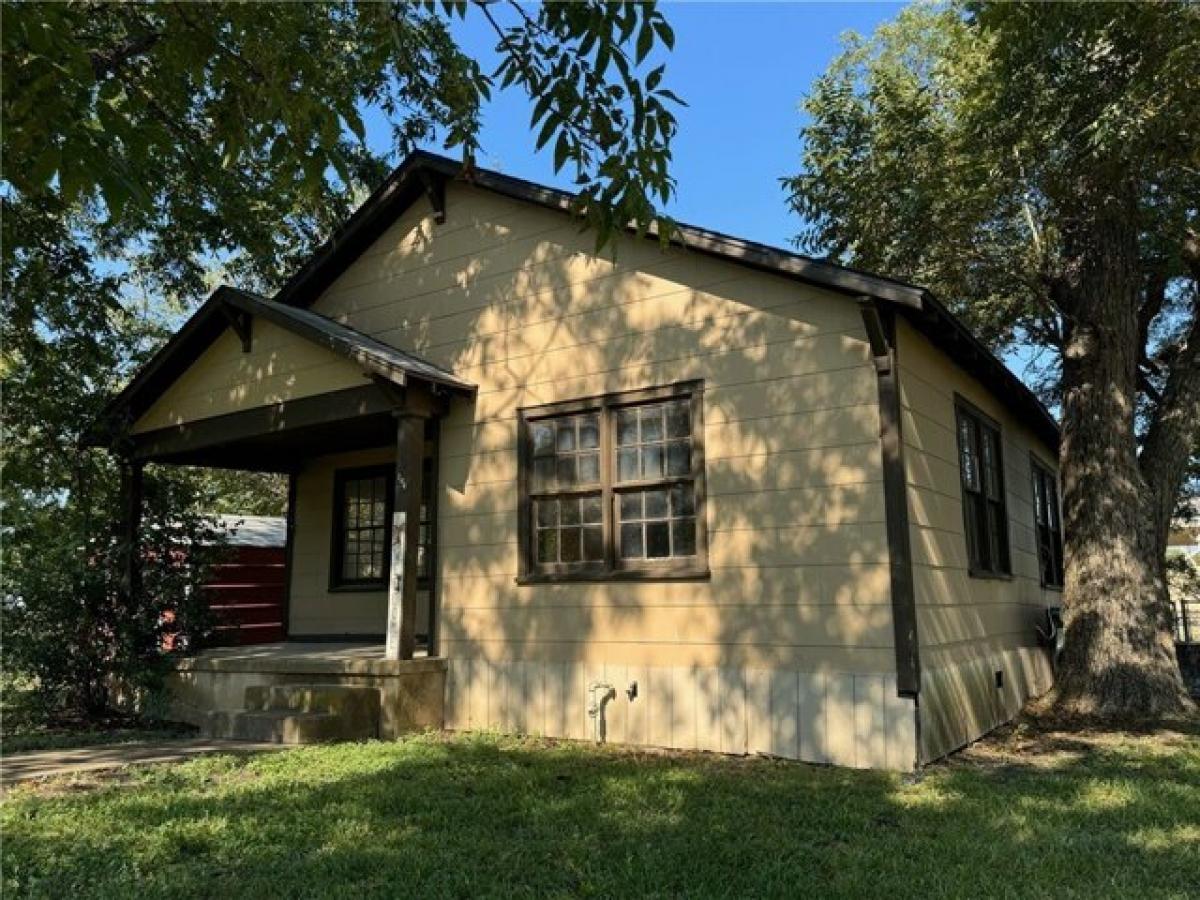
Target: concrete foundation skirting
{"points": [[411, 691]]}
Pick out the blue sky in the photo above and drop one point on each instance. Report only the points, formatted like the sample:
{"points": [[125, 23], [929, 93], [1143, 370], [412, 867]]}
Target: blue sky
{"points": [[742, 68]]}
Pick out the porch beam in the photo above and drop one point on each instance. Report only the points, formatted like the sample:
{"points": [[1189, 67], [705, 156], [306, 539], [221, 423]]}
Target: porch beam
{"points": [[278, 418], [406, 524]]}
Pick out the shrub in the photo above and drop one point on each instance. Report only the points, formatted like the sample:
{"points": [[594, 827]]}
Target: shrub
{"points": [[67, 625]]}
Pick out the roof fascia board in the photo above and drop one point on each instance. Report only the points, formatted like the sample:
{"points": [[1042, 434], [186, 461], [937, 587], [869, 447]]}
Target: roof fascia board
{"points": [[254, 306]]}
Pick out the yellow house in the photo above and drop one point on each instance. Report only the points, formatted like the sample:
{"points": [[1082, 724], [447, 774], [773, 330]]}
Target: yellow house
{"points": [[711, 495]]}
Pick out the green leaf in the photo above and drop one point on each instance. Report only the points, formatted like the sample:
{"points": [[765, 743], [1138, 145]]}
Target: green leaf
{"points": [[562, 150], [548, 129], [665, 32], [645, 43]]}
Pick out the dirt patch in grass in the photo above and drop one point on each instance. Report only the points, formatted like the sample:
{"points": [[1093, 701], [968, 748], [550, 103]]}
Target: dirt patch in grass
{"points": [[1044, 743]]}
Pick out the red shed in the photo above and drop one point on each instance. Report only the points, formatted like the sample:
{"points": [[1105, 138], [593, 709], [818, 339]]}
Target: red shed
{"points": [[247, 592]]}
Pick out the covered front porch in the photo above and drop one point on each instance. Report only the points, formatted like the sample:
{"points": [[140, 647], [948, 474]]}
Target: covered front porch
{"points": [[353, 423]]}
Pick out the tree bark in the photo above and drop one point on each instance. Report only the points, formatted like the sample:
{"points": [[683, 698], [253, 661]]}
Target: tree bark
{"points": [[1119, 663]]}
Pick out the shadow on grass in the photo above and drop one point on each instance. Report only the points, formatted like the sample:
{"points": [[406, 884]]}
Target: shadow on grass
{"points": [[473, 816]]}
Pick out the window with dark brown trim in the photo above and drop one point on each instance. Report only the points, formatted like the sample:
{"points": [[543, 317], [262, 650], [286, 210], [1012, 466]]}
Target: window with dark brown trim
{"points": [[1047, 524], [613, 487], [981, 467], [362, 527]]}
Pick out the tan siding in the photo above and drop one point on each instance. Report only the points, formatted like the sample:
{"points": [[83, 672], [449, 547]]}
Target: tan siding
{"points": [[314, 609], [511, 297], [844, 719], [969, 628], [280, 366]]}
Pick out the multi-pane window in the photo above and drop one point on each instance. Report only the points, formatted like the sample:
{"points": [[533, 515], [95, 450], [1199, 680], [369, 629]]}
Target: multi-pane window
{"points": [[982, 473], [362, 508], [614, 486], [1048, 524]]}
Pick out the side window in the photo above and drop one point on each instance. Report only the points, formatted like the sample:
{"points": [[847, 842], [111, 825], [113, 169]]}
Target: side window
{"points": [[981, 467], [1047, 524], [613, 487]]}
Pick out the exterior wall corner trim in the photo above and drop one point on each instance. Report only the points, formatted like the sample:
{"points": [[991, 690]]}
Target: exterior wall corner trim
{"points": [[880, 324]]}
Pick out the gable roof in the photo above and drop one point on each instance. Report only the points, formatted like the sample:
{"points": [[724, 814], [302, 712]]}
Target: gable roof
{"points": [[424, 174], [214, 316]]}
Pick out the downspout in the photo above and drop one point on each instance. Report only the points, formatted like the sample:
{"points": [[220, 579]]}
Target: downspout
{"points": [[880, 324]]}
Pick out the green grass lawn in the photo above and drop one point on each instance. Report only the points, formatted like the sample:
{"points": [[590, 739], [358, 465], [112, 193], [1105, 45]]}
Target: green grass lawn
{"points": [[483, 815]]}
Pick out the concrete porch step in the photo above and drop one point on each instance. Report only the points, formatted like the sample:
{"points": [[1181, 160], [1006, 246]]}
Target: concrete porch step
{"points": [[280, 726], [341, 698], [299, 714]]}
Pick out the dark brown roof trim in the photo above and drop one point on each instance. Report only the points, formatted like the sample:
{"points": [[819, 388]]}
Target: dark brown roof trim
{"points": [[380, 358], [207, 323], [421, 173], [410, 181]]}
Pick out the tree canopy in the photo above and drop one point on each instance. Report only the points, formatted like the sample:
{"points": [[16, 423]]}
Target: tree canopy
{"points": [[945, 149], [1038, 167], [151, 149]]}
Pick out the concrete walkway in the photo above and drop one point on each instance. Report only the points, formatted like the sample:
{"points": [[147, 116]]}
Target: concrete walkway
{"points": [[18, 767]]}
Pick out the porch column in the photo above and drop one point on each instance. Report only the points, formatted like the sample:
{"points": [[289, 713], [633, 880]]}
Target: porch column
{"points": [[406, 529], [130, 583]]}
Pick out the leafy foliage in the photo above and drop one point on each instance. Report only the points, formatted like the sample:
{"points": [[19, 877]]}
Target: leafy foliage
{"points": [[947, 149], [241, 125], [1036, 165], [951, 147], [68, 625], [151, 149]]}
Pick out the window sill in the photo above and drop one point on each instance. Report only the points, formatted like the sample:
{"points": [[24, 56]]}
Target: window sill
{"points": [[622, 575], [374, 587], [1056, 588], [989, 576]]}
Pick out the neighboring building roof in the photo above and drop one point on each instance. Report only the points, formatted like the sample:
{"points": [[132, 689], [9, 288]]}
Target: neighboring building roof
{"points": [[425, 174], [254, 531]]}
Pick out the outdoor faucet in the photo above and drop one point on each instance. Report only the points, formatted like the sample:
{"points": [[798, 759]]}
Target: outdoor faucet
{"points": [[599, 693]]}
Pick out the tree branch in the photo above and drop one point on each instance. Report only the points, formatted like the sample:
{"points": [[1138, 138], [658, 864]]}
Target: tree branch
{"points": [[105, 62], [1172, 437], [581, 135]]}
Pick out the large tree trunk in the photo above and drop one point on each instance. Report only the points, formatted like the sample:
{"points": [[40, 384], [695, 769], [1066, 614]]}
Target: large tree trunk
{"points": [[1119, 662]]}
